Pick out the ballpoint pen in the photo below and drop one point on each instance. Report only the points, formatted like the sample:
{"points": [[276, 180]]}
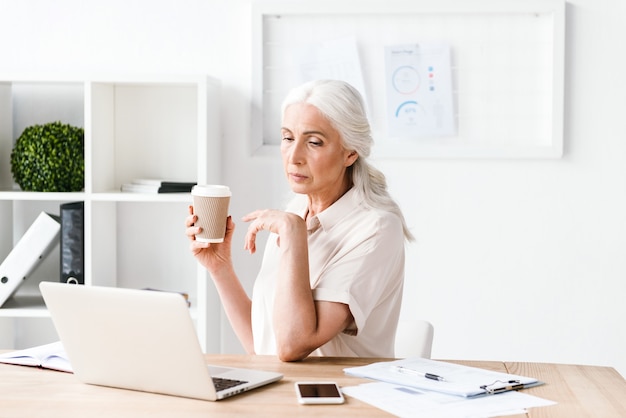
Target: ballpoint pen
{"points": [[401, 369]]}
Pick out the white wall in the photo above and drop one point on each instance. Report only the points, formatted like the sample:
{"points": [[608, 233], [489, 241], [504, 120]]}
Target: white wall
{"points": [[515, 260]]}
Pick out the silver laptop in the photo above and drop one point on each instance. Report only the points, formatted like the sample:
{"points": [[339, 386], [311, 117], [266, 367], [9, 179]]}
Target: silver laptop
{"points": [[141, 340]]}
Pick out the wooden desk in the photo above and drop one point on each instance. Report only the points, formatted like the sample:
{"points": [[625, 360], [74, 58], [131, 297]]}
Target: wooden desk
{"points": [[581, 391]]}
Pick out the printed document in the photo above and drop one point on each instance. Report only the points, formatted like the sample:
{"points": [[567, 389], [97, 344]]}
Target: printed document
{"points": [[456, 379], [407, 402]]}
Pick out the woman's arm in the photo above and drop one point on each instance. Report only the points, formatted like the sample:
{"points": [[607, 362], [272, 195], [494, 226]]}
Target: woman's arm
{"points": [[216, 258], [301, 325]]}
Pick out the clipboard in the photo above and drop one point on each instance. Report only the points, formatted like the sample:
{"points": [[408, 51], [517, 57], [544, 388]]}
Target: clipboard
{"points": [[443, 377]]}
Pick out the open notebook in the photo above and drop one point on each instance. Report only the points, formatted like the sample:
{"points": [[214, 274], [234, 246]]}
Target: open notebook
{"points": [[48, 356], [140, 340]]}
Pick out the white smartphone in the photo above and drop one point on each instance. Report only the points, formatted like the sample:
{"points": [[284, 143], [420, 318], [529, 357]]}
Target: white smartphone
{"points": [[318, 393]]}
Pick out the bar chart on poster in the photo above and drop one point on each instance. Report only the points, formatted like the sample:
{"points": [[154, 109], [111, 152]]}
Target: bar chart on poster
{"points": [[447, 79]]}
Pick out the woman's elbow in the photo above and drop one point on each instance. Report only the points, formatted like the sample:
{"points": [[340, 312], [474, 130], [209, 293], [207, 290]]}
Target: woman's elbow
{"points": [[289, 358], [289, 352]]}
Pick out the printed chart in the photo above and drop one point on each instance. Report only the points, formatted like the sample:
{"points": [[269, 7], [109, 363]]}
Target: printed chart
{"points": [[419, 91]]}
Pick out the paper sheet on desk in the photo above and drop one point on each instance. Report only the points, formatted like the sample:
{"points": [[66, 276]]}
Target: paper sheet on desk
{"points": [[407, 402], [460, 380]]}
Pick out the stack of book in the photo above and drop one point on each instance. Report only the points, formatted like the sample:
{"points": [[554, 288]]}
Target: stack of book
{"points": [[158, 186]]}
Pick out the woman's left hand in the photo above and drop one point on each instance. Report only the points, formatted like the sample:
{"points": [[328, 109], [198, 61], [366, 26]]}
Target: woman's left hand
{"points": [[285, 224]]}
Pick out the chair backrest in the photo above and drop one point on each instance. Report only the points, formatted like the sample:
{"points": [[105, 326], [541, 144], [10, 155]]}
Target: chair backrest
{"points": [[414, 338]]}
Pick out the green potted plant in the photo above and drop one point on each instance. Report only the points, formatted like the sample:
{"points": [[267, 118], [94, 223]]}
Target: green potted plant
{"points": [[49, 158]]}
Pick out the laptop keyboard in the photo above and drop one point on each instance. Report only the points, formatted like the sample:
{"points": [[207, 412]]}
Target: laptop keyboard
{"points": [[222, 383]]}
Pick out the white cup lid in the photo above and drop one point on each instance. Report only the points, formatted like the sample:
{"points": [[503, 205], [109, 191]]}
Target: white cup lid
{"points": [[211, 190]]}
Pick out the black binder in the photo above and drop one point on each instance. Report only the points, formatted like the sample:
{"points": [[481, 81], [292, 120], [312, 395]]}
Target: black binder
{"points": [[72, 247]]}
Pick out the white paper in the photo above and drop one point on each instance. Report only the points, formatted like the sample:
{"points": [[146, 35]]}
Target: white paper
{"points": [[408, 402], [336, 59], [419, 90], [49, 356], [460, 380]]}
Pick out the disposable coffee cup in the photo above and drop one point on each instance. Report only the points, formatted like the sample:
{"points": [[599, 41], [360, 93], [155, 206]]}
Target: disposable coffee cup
{"points": [[210, 205]]}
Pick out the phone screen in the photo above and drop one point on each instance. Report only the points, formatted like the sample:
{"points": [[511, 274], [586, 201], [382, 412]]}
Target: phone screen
{"points": [[322, 392]]}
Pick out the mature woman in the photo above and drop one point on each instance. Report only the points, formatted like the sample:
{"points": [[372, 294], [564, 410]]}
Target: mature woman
{"points": [[331, 279]]}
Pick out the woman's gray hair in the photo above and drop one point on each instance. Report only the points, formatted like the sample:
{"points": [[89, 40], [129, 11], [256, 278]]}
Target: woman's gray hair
{"points": [[343, 106]]}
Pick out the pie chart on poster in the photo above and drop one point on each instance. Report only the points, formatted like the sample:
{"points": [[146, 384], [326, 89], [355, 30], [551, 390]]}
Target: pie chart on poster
{"points": [[410, 113], [406, 79]]}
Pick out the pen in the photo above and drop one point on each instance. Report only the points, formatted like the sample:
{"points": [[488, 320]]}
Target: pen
{"points": [[412, 372]]}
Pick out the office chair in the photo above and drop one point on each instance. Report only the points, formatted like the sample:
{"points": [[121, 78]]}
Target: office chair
{"points": [[414, 338]]}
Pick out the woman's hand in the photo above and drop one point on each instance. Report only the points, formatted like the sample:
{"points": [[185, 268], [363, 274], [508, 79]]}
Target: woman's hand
{"points": [[213, 256], [287, 226]]}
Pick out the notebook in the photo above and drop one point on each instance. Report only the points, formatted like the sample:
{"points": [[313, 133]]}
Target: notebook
{"points": [[140, 340]]}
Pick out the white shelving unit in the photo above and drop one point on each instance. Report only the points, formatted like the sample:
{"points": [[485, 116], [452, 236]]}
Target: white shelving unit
{"points": [[135, 127]]}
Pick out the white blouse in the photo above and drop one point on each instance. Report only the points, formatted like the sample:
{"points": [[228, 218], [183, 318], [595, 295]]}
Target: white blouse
{"points": [[356, 257]]}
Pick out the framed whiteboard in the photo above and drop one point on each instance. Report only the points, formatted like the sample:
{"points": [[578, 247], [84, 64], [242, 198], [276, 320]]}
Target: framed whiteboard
{"points": [[507, 69]]}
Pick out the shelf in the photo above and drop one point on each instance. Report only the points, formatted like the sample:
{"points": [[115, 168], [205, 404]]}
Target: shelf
{"points": [[39, 196], [111, 196], [141, 197], [136, 126], [31, 306]]}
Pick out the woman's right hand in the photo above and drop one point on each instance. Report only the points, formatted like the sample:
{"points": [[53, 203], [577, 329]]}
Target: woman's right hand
{"points": [[215, 257]]}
